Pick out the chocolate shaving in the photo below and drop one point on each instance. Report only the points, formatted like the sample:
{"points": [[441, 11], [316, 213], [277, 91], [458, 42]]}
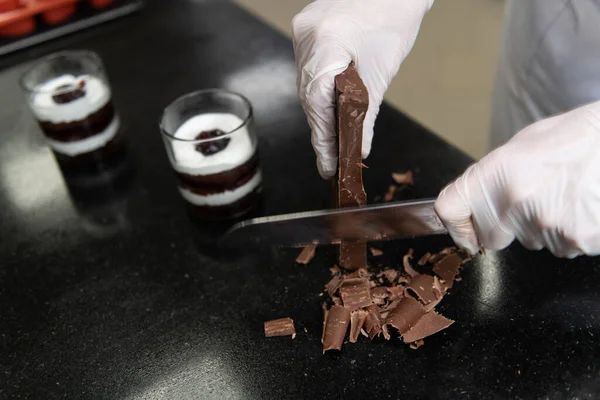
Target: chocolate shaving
{"points": [[357, 319], [444, 252], [379, 294], [355, 293], [406, 263], [423, 260], [335, 326], [417, 344], [396, 292], [333, 285], [375, 252], [390, 274], [423, 288], [429, 324], [280, 327], [405, 315], [389, 195], [362, 165], [447, 269], [405, 178], [386, 334], [373, 321], [306, 255]]}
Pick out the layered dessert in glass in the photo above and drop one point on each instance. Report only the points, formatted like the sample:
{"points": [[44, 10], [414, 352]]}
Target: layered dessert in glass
{"points": [[212, 147], [70, 97]]}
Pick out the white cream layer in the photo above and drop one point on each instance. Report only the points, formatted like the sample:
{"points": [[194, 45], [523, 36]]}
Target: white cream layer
{"points": [[223, 198], [88, 144], [190, 161], [97, 94]]}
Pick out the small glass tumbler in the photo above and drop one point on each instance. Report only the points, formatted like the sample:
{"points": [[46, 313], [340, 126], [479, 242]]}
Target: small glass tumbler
{"points": [[70, 97], [212, 147]]}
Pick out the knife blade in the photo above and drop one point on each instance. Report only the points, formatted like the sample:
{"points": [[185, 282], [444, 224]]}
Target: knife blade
{"points": [[386, 221]]}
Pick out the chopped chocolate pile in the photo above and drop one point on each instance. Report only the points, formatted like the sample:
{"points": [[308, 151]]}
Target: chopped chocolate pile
{"points": [[66, 96], [374, 304], [214, 146], [306, 255], [280, 327]]}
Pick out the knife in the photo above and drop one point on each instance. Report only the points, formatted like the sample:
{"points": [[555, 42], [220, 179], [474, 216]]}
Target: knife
{"points": [[386, 221]]}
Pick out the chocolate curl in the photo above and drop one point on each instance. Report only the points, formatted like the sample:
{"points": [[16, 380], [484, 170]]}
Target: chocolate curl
{"points": [[280, 327], [337, 319]]}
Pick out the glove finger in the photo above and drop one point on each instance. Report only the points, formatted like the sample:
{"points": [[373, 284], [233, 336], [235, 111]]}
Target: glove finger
{"points": [[557, 245], [455, 214], [525, 232]]}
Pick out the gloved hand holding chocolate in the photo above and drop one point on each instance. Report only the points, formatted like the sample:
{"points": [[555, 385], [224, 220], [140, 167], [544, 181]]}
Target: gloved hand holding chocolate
{"points": [[542, 187]]}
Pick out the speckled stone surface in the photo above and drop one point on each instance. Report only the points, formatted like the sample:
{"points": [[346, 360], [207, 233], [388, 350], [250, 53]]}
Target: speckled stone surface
{"points": [[113, 292]]}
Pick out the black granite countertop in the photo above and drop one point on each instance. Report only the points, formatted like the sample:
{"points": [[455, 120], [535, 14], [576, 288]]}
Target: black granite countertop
{"points": [[125, 297]]}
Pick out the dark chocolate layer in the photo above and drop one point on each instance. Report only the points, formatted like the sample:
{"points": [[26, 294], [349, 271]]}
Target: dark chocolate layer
{"points": [[73, 131], [228, 211], [218, 183]]}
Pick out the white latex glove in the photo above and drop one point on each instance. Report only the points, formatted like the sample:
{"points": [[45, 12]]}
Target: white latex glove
{"points": [[328, 34], [542, 188]]}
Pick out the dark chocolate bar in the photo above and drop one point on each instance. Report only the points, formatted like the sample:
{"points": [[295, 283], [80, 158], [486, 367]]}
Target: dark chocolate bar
{"points": [[352, 102]]}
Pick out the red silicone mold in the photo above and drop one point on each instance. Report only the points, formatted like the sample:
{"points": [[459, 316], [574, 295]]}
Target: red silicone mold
{"points": [[15, 26]]}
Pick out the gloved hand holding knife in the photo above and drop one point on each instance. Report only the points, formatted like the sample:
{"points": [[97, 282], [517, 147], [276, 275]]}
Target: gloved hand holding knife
{"points": [[541, 188]]}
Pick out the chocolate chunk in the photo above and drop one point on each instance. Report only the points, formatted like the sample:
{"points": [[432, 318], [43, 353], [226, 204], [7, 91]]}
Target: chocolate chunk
{"points": [[373, 321], [406, 263], [211, 147], [389, 195], [447, 269], [405, 178], [333, 285], [423, 287], [306, 255], [429, 324], [357, 319], [355, 293], [352, 102], [280, 327], [423, 260], [69, 93], [405, 315], [375, 252], [335, 325], [417, 344]]}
